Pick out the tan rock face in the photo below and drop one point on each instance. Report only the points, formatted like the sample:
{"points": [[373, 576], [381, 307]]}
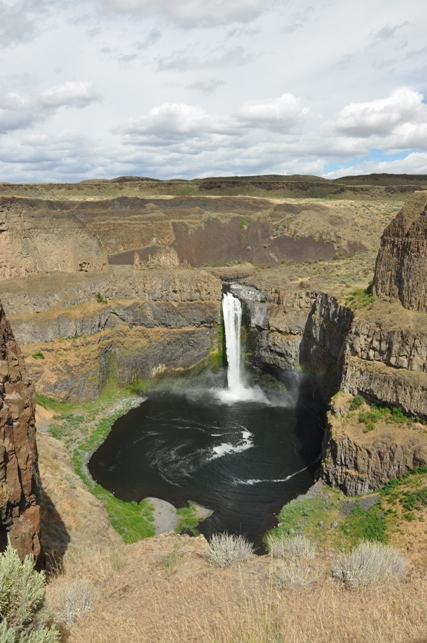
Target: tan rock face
{"points": [[401, 268], [37, 237], [19, 475]]}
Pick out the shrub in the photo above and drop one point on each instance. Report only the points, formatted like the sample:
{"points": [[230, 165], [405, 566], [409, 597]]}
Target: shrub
{"points": [[226, 549], [356, 402], [369, 563], [360, 297], [74, 600], [38, 355], [295, 573], [284, 546], [100, 299], [22, 592]]}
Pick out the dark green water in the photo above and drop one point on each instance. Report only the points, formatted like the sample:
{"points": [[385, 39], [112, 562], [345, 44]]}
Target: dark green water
{"points": [[243, 460]]}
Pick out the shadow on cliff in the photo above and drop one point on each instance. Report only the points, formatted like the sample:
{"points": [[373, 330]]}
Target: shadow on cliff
{"points": [[321, 359], [54, 535]]}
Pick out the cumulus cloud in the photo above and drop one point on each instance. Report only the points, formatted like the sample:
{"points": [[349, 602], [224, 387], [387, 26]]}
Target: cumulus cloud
{"points": [[279, 115], [15, 26], [171, 122], [192, 13], [382, 116], [20, 110], [73, 94]]}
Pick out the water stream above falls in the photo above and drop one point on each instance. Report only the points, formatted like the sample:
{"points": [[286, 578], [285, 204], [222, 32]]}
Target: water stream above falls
{"points": [[241, 451]]}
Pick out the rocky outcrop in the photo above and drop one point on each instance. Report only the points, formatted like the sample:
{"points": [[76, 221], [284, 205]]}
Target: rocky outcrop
{"points": [[401, 268], [19, 475], [119, 283], [39, 237], [358, 462]]}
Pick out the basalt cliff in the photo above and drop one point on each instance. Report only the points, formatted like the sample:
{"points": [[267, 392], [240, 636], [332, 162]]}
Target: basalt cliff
{"points": [[19, 475]]}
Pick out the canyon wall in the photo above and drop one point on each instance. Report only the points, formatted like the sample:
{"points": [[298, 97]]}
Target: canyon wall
{"points": [[79, 331], [39, 237], [377, 351], [19, 475], [45, 236]]}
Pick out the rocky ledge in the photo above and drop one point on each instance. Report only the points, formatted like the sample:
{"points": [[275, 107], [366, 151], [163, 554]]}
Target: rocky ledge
{"points": [[361, 456]]}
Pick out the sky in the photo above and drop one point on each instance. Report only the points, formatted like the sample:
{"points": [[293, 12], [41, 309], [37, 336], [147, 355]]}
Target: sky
{"points": [[196, 88]]}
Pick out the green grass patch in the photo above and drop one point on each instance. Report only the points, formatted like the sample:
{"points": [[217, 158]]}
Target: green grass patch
{"points": [[38, 355], [131, 520], [189, 518], [356, 402], [366, 525], [360, 297], [376, 413], [243, 222], [323, 521]]}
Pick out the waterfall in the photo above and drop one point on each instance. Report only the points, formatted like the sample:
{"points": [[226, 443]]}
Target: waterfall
{"points": [[232, 312], [238, 389]]}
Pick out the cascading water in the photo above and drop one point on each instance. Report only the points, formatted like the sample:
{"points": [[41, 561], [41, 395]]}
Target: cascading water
{"points": [[237, 388], [232, 313]]}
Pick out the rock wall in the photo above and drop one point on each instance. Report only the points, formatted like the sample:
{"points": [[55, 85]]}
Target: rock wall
{"points": [[401, 268], [379, 353], [19, 475], [151, 322], [358, 462], [299, 331], [38, 237]]}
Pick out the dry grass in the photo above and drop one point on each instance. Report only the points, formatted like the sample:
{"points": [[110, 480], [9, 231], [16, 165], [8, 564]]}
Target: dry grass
{"points": [[196, 601]]}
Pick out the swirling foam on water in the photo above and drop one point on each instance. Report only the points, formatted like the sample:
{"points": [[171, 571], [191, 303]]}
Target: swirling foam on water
{"points": [[225, 448]]}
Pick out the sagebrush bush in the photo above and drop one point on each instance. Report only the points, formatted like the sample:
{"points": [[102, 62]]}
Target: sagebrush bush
{"points": [[226, 549], [296, 573], [369, 563], [73, 601], [22, 592], [295, 546]]}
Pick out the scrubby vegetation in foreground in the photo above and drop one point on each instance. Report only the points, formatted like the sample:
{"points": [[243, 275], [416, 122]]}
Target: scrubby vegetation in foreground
{"points": [[166, 590]]}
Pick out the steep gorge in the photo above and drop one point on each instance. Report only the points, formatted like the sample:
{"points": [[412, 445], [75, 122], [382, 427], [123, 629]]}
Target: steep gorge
{"points": [[82, 322]]}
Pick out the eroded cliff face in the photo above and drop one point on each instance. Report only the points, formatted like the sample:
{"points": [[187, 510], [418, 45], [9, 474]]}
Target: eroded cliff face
{"points": [[401, 268], [38, 237], [378, 352], [19, 475], [357, 461], [146, 323]]}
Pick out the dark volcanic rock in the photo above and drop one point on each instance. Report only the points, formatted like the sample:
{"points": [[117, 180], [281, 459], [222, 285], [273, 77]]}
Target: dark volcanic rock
{"points": [[401, 269], [19, 474]]}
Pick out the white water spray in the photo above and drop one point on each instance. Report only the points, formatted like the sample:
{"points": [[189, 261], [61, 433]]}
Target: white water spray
{"points": [[237, 390], [232, 312]]}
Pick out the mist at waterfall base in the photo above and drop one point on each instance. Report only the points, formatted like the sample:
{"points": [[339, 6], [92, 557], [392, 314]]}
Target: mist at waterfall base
{"points": [[241, 451]]}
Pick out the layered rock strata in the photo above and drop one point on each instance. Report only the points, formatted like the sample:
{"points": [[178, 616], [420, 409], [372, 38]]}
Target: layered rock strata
{"points": [[379, 352], [19, 475], [80, 331], [38, 237], [358, 462]]}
